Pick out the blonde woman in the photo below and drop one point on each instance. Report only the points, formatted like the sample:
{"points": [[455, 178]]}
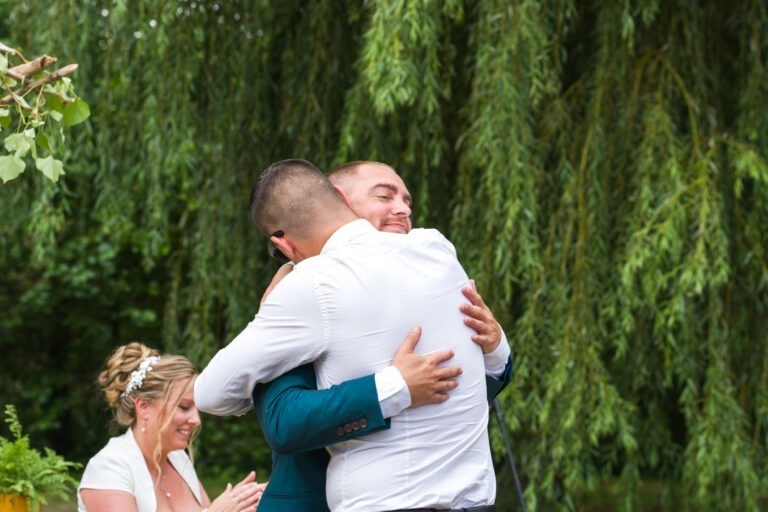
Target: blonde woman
{"points": [[148, 468]]}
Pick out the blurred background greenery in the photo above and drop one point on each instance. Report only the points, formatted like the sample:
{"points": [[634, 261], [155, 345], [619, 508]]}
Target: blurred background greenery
{"points": [[600, 167]]}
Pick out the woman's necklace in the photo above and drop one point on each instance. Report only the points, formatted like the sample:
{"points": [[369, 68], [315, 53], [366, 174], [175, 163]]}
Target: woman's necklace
{"points": [[162, 486]]}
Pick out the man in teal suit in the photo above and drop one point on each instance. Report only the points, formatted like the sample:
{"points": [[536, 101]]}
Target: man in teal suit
{"points": [[298, 420]]}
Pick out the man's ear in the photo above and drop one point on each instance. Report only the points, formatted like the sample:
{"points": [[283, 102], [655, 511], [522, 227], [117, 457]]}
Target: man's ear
{"points": [[285, 246], [343, 195]]}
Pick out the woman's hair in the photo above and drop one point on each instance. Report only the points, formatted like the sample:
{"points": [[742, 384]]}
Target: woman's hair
{"points": [[155, 386]]}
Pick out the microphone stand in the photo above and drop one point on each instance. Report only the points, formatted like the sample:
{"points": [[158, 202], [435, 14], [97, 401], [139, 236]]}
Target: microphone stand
{"points": [[496, 406]]}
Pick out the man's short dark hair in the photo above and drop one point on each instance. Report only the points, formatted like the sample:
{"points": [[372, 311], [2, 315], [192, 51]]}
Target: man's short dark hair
{"points": [[290, 196]]}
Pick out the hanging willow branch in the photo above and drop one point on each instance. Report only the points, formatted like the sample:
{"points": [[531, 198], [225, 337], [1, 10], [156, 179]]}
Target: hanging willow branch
{"points": [[601, 168]]}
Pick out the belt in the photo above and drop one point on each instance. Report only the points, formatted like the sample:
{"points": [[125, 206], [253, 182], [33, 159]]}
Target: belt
{"points": [[486, 508]]}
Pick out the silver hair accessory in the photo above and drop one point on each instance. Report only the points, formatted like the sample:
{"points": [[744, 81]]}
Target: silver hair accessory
{"points": [[137, 376]]}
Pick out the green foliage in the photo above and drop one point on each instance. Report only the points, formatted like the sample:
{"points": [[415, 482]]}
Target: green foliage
{"points": [[600, 166], [26, 472], [35, 108]]}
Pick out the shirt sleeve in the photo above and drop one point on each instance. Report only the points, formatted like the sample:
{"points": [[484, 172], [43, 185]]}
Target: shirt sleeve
{"points": [[392, 389], [286, 333], [496, 361]]}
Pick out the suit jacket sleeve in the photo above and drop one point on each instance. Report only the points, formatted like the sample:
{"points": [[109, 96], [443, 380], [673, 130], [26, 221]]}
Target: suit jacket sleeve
{"points": [[295, 416], [496, 386]]}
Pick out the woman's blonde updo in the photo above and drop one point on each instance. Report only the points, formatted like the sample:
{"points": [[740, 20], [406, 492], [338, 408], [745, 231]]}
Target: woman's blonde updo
{"points": [[156, 385]]}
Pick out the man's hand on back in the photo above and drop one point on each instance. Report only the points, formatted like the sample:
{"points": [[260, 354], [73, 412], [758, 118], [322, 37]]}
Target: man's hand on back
{"points": [[427, 383], [481, 319]]}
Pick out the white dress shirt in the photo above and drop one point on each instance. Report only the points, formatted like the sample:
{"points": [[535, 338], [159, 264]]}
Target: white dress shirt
{"points": [[392, 390], [347, 310]]}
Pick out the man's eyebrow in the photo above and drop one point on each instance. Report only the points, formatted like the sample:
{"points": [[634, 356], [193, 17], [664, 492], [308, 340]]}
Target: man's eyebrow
{"points": [[388, 186]]}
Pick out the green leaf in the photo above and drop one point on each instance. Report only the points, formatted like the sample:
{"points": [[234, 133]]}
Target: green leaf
{"points": [[18, 143], [53, 102], [76, 112], [50, 167], [42, 141], [10, 167], [5, 118]]}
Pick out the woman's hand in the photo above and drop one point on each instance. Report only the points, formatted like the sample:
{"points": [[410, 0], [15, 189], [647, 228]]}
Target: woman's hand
{"points": [[243, 497]]}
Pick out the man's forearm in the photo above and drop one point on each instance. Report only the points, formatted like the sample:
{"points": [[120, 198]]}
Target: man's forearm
{"points": [[295, 416]]}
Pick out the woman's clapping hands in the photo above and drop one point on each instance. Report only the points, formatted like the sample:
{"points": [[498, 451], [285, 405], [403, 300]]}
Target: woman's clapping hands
{"points": [[243, 497]]}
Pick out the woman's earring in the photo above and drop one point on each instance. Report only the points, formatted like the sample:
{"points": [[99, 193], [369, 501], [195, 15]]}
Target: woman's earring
{"points": [[144, 425]]}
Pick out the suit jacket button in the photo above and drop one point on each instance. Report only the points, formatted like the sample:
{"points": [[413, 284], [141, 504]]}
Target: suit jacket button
{"points": [[363, 422], [348, 428], [340, 431], [355, 425]]}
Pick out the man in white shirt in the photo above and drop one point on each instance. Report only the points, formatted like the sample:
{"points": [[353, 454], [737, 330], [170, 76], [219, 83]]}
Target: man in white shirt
{"points": [[377, 193], [353, 291]]}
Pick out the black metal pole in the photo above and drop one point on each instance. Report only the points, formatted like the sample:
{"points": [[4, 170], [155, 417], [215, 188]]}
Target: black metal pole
{"points": [[503, 426]]}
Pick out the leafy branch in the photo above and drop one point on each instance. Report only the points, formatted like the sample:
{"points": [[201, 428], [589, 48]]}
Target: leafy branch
{"points": [[36, 107]]}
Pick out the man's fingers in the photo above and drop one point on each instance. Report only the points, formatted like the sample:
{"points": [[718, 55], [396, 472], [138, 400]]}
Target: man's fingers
{"points": [[444, 386], [477, 325], [439, 398], [440, 356], [481, 314], [473, 297], [482, 339], [448, 372], [409, 343]]}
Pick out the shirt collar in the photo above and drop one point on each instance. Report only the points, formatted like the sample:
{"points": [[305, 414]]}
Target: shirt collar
{"points": [[346, 233]]}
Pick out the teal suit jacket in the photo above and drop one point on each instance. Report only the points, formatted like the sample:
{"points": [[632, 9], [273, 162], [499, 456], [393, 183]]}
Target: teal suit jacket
{"points": [[298, 420]]}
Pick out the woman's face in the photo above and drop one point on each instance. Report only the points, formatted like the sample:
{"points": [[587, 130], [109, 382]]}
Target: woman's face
{"points": [[181, 419]]}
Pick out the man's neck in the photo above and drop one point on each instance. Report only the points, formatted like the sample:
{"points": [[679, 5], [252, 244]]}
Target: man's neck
{"points": [[314, 245]]}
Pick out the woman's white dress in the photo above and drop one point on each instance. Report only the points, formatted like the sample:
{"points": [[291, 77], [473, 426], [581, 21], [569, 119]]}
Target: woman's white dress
{"points": [[120, 466]]}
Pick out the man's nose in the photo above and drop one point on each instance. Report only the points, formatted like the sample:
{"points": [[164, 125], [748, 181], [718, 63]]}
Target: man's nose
{"points": [[403, 208]]}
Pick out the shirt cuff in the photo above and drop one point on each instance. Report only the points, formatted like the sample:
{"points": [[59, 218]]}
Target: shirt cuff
{"points": [[394, 396], [496, 361]]}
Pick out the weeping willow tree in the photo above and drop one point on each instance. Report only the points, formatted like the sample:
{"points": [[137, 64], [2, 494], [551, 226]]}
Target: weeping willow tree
{"points": [[600, 166]]}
